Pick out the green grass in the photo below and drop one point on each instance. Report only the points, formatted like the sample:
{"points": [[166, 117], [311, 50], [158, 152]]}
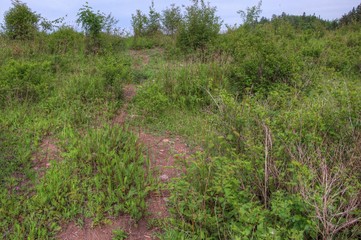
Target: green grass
{"points": [[102, 169], [270, 119]]}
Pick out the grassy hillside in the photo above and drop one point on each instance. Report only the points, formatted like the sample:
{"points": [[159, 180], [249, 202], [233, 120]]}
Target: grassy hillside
{"points": [[273, 107]]}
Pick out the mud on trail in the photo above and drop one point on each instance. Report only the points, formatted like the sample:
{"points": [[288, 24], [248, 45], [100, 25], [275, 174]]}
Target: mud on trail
{"points": [[162, 152]]}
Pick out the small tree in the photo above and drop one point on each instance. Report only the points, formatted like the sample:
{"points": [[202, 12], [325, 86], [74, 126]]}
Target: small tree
{"points": [[139, 23], [200, 26], [20, 21], [250, 17], [153, 26], [93, 24], [171, 19]]}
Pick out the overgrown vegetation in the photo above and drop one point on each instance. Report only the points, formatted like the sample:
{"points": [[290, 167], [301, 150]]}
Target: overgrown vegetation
{"points": [[20, 21], [273, 104]]}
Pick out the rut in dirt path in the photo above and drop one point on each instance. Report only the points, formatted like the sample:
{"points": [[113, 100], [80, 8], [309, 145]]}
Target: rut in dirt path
{"points": [[162, 152]]}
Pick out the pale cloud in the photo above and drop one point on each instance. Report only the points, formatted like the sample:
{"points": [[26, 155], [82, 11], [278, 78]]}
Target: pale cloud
{"points": [[226, 9]]}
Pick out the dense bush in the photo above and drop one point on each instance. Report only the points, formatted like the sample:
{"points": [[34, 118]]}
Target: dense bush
{"points": [[139, 23], [116, 72], [261, 59], [151, 101], [66, 40], [20, 21], [25, 81], [93, 23], [213, 202], [171, 19], [200, 26]]}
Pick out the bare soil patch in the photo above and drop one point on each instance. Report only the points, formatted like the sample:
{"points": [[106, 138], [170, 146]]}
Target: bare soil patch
{"points": [[48, 151], [87, 232]]}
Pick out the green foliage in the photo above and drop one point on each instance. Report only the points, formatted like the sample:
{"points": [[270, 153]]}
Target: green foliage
{"points": [[200, 27], [212, 202], [250, 17], [145, 42], [114, 166], [119, 235], [101, 175], [144, 25], [116, 72], [354, 16], [171, 19], [153, 24], [260, 63], [307, 23], [189, 86], [139, 23], [25, 81], [151, 101], [93, 24], [343, 52], [65, 40], [20, 21]]}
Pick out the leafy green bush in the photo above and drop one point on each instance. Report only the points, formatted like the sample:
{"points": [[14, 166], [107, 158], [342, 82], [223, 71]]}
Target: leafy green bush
{"points": [[66, 40], [93, 24], [20, 21], [192, 85], [151, 101], [113, 43], [189, 86], [139, 24], [139, 43], [261, 59], [343, 51], [212, 202], [171, 19], [25, 81], [116, 72], [200, 26]]}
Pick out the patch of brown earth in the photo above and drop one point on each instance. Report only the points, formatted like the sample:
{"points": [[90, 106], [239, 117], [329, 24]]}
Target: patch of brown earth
{"points": [[87, 232], [48, 151], [141, 58]]}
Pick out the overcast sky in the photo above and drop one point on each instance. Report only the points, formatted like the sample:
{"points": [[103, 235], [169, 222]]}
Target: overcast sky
{"points": [[226, 9]]}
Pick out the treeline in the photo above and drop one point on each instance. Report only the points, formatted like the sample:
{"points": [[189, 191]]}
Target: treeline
{"points": [[192, 25], [354, 16]]}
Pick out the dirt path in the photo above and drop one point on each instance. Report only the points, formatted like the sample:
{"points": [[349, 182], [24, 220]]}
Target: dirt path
{"points": [[162, 152]]}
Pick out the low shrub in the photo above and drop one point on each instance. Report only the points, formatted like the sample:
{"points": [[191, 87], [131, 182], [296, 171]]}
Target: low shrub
{"points": [[261, 60], [25, 81], [66, 40], [151, 101]]}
